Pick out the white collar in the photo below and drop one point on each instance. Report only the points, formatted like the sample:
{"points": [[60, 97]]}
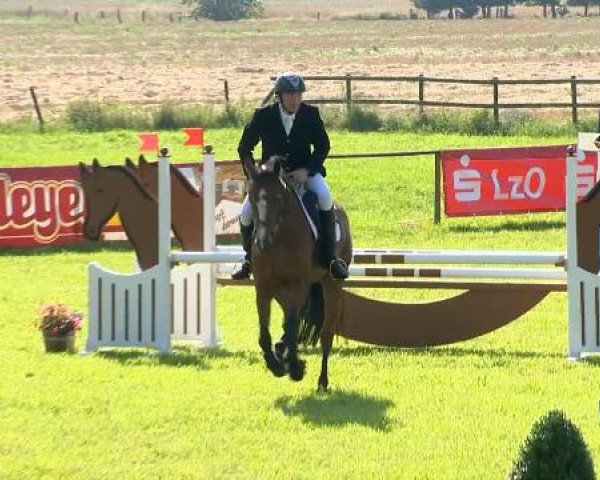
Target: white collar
{"points": [[285, 114], [287, 120]]}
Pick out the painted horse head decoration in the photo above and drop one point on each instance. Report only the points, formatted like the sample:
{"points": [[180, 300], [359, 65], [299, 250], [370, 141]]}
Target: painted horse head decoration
{"points": [[286, 268], [114, 189]]}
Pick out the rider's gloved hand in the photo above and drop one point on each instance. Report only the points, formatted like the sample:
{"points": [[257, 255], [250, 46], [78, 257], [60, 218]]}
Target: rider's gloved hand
{"points": [[300, 175]]}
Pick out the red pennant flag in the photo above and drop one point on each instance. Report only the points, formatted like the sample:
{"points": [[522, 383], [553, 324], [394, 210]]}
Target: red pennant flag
{"points": [[195, 137], [148, 142]]}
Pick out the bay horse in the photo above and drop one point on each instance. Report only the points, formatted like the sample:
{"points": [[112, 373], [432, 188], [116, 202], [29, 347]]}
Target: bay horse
{"points": [[286, 267], [114, 189]]}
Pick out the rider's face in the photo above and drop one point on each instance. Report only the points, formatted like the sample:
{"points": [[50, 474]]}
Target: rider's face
{"points": [[291, 101]]}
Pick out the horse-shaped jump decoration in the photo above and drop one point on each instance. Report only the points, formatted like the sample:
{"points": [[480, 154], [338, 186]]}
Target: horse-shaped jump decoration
{"points": [[286, 268], [114, 189], [132, 192], [187, 205]]}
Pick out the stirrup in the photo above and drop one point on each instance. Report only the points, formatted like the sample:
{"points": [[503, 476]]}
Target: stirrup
{"points": [[338, 262], [243, 272]]}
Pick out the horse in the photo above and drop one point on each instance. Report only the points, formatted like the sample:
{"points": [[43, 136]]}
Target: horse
{"points": [[114, 189], [286, 267], [187, 205]]}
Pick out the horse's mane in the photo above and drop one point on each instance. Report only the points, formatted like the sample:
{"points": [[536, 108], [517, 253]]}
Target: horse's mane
{"points": [[131, 176], [269, 168], [182, 178]]}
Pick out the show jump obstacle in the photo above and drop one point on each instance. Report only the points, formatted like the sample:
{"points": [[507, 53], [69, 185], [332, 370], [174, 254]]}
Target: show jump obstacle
{"points": [[583, 222], [167, 302]]}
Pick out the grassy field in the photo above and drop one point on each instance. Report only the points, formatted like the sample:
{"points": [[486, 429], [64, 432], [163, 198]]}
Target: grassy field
{"points": [[455, 412]]}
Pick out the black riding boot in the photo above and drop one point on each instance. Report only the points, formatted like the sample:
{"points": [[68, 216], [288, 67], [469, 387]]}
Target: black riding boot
{"points": [[336, 266], [245, 269]]}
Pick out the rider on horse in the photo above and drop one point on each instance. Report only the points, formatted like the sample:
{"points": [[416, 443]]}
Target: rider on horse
{"points": [[288, 128]]}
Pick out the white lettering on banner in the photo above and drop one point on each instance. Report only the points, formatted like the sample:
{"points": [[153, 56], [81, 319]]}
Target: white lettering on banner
{"points": [[520, 186], [498, 195], [467, 182], [586, 175], [541, 182]]}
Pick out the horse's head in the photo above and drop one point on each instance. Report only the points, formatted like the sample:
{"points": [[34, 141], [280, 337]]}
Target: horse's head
{"points": [[269, 196], [100, 196]]}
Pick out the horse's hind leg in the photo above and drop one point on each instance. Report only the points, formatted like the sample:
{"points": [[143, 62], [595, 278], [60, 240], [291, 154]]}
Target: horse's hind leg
{"points": [[326, 343], [263, 304], [333, 310]]}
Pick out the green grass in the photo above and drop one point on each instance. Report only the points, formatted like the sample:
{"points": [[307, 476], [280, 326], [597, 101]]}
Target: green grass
{"points": [[455, 412]]}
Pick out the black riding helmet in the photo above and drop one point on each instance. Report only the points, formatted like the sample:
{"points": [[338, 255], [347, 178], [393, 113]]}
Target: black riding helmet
{"points": [[289, 83]]}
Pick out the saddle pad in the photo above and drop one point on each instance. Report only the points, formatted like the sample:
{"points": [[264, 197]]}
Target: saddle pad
{"points": [[312, 221]]}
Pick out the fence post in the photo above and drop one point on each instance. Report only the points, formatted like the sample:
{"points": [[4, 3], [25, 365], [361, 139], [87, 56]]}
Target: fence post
{"points": [[76, 17], [496, 108], [574, 99], [437, 205], [421, 93], [119, 18], [38, 111], [348, 92], [226, 91]]}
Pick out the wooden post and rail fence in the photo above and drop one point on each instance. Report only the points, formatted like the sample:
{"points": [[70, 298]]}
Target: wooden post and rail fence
{"points": [[496, 104], [349, 99]]}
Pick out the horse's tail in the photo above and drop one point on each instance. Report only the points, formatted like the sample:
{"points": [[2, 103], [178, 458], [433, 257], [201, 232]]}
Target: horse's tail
{"points": [[312, 317]]}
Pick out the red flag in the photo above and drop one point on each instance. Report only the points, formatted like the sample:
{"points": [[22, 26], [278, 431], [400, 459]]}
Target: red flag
{"points": [[195, 137], [149, 142]]}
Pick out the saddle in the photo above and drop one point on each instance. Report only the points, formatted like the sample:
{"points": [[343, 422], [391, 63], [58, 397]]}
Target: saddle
{"points": [[310, 205]]}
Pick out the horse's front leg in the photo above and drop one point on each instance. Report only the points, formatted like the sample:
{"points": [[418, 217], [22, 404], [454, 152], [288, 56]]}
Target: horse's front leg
{"points": [[291, 298], [295, 365], [263, 305]]}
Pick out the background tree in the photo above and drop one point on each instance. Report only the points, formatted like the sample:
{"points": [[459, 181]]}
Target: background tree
{"points": [[224, 10], [586, 4], [553, 4], [456, 8]]}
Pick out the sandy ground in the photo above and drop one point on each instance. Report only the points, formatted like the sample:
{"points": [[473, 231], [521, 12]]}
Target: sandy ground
{"points": [[186, 62]]}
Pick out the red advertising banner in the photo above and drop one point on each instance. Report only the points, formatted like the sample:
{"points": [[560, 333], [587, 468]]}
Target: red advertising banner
{"points": [[506, 180], [42, 206]]}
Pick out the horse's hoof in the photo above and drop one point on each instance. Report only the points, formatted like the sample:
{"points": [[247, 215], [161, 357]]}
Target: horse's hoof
{"points": [[296, 369], [322, 389], [280, 351], [276, 367]]}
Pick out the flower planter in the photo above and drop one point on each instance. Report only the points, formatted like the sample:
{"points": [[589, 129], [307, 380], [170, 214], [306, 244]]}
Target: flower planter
{"points": [[59, 343]]}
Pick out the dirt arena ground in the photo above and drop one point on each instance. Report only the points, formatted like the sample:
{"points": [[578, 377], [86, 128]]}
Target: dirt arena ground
{"points": [[186, 61]]}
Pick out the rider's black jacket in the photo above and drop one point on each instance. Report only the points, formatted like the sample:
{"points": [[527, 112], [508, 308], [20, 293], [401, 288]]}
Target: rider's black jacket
{"points": [[306, 146]]}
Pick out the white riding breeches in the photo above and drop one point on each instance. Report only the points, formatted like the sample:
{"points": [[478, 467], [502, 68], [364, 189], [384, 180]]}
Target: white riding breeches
{"points": [[315, 183]]}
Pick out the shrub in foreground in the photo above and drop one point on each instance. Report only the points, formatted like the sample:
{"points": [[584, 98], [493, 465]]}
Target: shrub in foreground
{"points": [[554, 450]]}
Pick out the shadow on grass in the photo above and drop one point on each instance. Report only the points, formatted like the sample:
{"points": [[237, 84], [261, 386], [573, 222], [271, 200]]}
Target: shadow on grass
{"points": [[86, 246], [534, 225], [445, 351], [80, 247], [339, 408], [182, 356], [592, 360]]}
